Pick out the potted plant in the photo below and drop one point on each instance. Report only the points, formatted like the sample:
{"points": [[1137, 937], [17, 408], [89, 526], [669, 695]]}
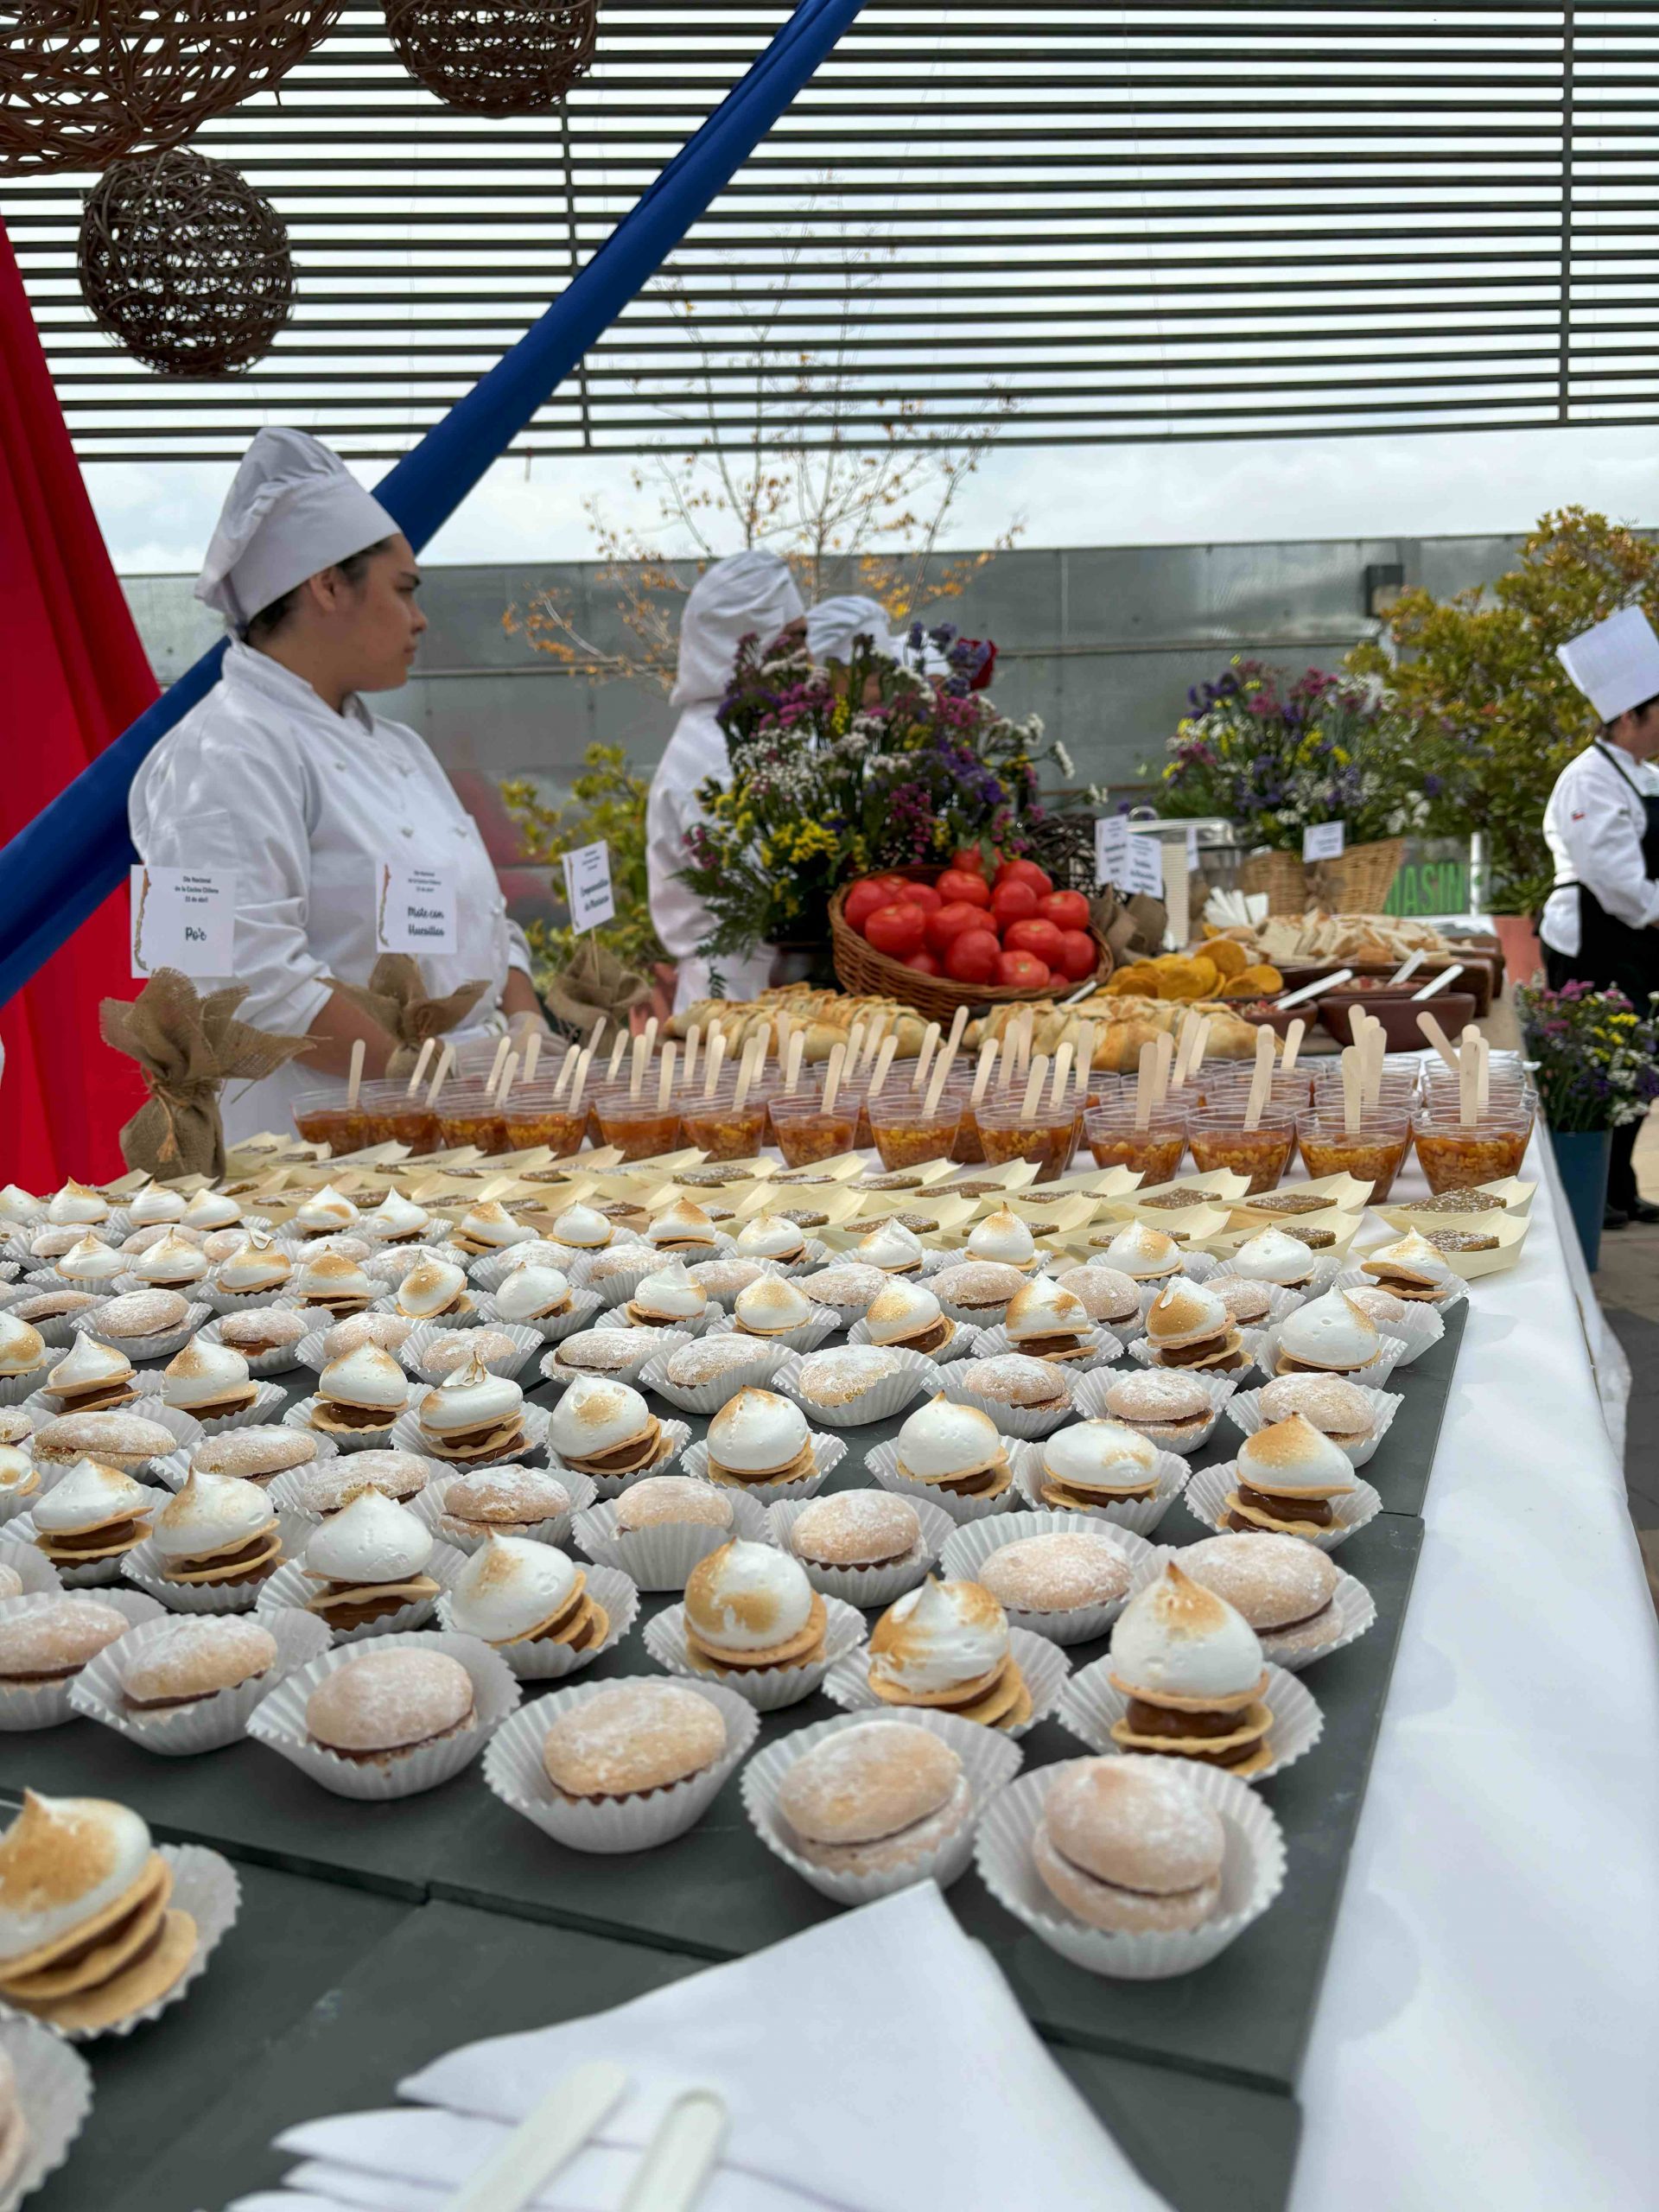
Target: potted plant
{"points": [[1596, 1070]]}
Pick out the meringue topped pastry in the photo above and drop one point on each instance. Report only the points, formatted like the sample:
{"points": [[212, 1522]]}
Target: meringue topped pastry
{"points": [[89, 1260], [893, 1248], [1410, 1268], [333, 1281], [534, 1292], [1288, 1475], [664, 1296], [1144, 1254], [1002, 1237], [488, 1227], [93, 1512], [750, 1605], [218, 1533], [907, 1317], [362, 1389], [473, 1416], [1190, 1667], [769, 1236], [397, 1220], [1274, 1256], [1187, 1326], [512, 1592], [946, 1645], [1328, 1336], [19, 1476], [212, 1209], [978, 1291], [20, 1209], [153, 1203], [77, 1203], [323, 1214], [208, 1381], [758, 1437], [773, 1306], [175, 1260], [1048, 1321], [683, 1227], [369, 1561], [256, 1265], [1109, 1297], [90, 1377], [954, 1448], [603, 1428], [580, 1229], [388, 1330], [435, 1290], [1097, 1463]]}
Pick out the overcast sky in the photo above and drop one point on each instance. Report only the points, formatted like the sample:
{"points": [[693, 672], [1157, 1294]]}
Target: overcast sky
{"points": [[157, 518]]}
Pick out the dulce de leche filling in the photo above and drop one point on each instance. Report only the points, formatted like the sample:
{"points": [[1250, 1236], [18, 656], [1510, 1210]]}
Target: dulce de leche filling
{"points": [[1314, 1511]]}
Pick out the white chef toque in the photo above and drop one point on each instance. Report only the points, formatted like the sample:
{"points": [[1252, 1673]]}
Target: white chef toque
{"points": [[293, 508], [1616, 665]]}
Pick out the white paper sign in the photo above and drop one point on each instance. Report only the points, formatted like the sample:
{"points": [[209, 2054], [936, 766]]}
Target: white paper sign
{"points": [[183, 917], [1112, 849], [1191, 846], [1147, 866], [587, 886], [1322, 841], [414, 909]]}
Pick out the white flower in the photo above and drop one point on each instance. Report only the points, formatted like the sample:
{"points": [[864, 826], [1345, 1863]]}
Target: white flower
{"points": [[1064, 758]]}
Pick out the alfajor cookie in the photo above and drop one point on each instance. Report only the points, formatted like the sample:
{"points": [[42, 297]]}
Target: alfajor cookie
{"points": [[954, 1448], [874, 1798], [946, 1645], [758, 1437], [473, 1416], [601, 1427], [513, 1591], [218, 1533], [1189, 1326], [858, 1531], [505, 1501], [51, 1642], [382, 1707], [369, 1563], [1130, 1846], [1097, 1463], [185, 1662], [1288, 1476], [1191, 1669], [750, 1607], [93, 1513], [631, 1738], [91, 1378]]}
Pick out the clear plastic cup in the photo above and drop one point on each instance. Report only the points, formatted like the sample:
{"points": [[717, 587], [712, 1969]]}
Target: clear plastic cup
{"points": [[638, 1127], [1155, 1152], [807, 1130], [323, 1117], [1373, 1153], [1455, 1156], [467, 1114], [534, 1116], [719, 1126], [903, 1131], [1047, 1136], [1219, 1139]]}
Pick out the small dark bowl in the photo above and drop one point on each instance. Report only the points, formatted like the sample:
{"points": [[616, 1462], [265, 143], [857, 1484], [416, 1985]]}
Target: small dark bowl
{"points": [[1398, 1012]]}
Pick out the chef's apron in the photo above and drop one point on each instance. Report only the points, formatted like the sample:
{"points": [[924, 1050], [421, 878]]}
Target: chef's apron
{"points": [[1612, 954]]}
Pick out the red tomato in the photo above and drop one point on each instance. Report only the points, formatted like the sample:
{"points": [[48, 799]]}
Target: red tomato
{"points": [[973, 956], [1038, 937], [1012, 902], [924, 963], [1067, 909], [957, 883], [1026, 871], [1078, 954], [897, 930], [920, 894], [949, 921], [1021, 971], [862, 900], [971, 859]]}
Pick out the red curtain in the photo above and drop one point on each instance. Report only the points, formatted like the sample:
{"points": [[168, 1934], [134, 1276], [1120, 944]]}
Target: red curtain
{"points": [[72, 675]]}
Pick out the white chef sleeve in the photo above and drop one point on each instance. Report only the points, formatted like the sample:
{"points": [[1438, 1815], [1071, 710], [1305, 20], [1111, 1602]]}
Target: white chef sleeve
{"points": [[680, 919], [223, 804], [519, 952], [1604, 846]]}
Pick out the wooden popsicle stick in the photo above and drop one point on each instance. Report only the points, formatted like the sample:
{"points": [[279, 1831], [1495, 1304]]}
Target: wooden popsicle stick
{"points": [[855, 1044], [584, 1063], [1260, 1078], [652, 1027], [509, 1073], [1164, 1046], [987, 1053], [425, 1054], [502, 1046], [619, 1046], [666, 1079], [354, 1080], [747, 1068], [717, 1056], [446, 1061], [1438, 1038], [924, 1057], [693, 1039], [1484, 1080], [566, 1069], [1034, 1086], [1084, 1064], [1469, 1082], [1200, 1046], [883, 1063], [641, 1053], [959, 1023], [1062, 1071], [1188, 1032], [1145, 1083], [533, 1044], [1350, 1090], [832, 1077], [935, 1088], [792, 1065], [1293, 1037]]}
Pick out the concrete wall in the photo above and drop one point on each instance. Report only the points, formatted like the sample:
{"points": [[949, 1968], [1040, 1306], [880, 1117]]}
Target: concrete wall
{"points": [[1102, 642]]}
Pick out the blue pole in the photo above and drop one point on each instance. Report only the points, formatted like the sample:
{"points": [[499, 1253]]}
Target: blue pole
{"points": [[75, 852]]}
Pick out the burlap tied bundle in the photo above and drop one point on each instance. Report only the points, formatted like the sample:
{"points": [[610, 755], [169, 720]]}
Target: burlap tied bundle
{"points": [[595, 985], [395, 998], [187, 1048], [1133, 928]]}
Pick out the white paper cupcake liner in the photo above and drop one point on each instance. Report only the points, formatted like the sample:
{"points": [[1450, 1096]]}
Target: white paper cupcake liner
{"points": [[959, 1347], [1091, 1406], [186, 1430], [990, 1760], [514, 1770], [1351, 1602], [212, 1722], [349, 1440], [822, 1322], [414, 1351], [429, 1506], [1197, 1267], [1422, 1326], [616, 1290], [674, 1438], [175, 1470], [15, 1389], [1253, 1873], [691, 1324], [55, 2090], [291, 1586], [814, 1254], [867, 1587], [204, 1885], [1041, 1661], [972, 1545], [261, 1365], [50, 1706], [35, 1572], [1107, 1348], [827, 1452], [884, 1400], [98, 1574], [882, 1463], [161, 1345], [1243, 1410], [278, 1721], [654, 1343], [661, 1558], [1027, 1422], [708, 1398], [1090, 1706], [14, 1504], [847, 1312], [768, 1689], [1138, 1517], [553, 1329], [1205, 1497], [56, 1332], [548, 1662], [1375, 1378], [246, 1301], [145, 1565]]}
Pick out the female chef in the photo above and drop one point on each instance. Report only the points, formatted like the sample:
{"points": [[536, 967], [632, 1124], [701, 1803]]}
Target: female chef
{"points": [[285, 779], [1601, 923]]}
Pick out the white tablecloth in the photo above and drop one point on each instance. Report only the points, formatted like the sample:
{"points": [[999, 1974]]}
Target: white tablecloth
{"points": [[1488, 2034]]}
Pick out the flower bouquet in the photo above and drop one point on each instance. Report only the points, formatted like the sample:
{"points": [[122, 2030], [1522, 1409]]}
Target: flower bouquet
{"points": [[1596, 1068]]}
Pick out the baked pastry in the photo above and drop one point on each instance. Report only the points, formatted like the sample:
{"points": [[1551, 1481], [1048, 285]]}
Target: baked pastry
{"points": [[1055, 1573], [254, 1455], [851, 1286], [1388, 1311], [683, 1227], [89, 1261], [708, 1359], [1288, 1476], [140, 1240], [369, 1561], [1187, 1326], [360, 1394], [1179, 1197], [580, 1228], [1291, 1202], [185, 1661], [94, 1512], [1130, 1847], [217, 1534], [266, 1329], [210, 1210], [1097, 1463], [758, 1437], [507, 1501], [76, 1203], [1144, 1253], [175, 1260], [433, 1290], [492, 1348], [979, 1289], [20, 1209], [769, 1236], [1017, 1381], [607, 1351], [671, 1501], [723, 1278], [874, 1798], [1337, 1409], [488, 1227], [43, 1306], [600, 1427], [332, 1281], [155, 1203], [1191, 1669], [1328, 1336], [1110, 1298], [858, 1531], [631, 1738], [1000, 1237], [893, 1249], [1284, 1590], [22, 1349], [397, 1475], [1171, 1407], [665, 1298], [385, 1706], [750, 1607], [324, 1214], [91, 1377], [87, 1937], [50, 1244], [954, 1448], [17, 1425], [511, 1592], [1272, 1256], [397, 1220], [946, 1645], [141, 1318], [1249, 1304], [534, 1292], [388, 1332], [773, 1306], [119, 1439], [209, 1382], [51, 1642], [1413, 1268], [474, 1415], [832, 1381], [1046, 1321]]}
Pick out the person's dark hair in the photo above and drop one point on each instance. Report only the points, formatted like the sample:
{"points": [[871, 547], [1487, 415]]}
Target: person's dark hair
{"points": [[269, 620]]}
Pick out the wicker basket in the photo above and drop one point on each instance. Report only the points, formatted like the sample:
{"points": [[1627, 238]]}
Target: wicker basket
{"points": [[860, 969], [1281, 875], [1356, 882]]}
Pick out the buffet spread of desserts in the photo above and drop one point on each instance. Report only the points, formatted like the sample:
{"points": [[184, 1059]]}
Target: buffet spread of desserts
{"points": [[408, 1565]]}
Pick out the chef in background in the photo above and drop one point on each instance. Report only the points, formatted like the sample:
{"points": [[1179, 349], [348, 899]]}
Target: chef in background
{"points": [[751, 591], [286, 778], [1601, 923]]}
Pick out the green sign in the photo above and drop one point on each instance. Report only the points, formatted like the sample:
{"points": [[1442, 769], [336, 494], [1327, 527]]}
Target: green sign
{"points": [[1433, 880]]}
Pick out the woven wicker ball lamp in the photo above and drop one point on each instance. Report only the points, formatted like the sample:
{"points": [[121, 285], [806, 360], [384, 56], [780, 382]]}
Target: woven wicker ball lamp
{"points": [[495, 57], [185, 263], [85, 81]]}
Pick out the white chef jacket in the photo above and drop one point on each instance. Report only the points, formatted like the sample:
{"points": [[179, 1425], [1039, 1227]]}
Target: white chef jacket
{"points": [[1593, 825], [263, 780]]}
